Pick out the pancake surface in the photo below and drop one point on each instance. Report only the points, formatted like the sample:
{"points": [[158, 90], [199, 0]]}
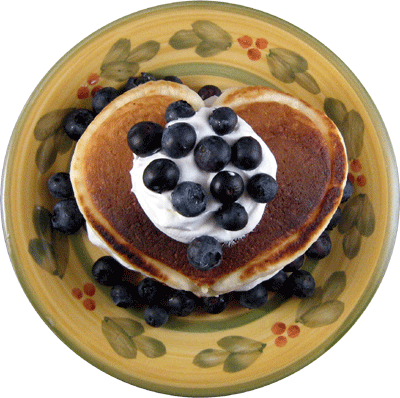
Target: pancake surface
{"points": [[312, 170]]}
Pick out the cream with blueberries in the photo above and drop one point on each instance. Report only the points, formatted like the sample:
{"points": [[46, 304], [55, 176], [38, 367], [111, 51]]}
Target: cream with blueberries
{"points": [[204, 179]]}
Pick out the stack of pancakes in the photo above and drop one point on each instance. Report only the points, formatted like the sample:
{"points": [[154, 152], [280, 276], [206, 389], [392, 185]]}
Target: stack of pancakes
{"points": [[312, 171]]}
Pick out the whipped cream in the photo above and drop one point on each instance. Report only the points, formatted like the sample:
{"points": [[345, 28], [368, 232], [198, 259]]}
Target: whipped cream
{"points": [[158, 207]]}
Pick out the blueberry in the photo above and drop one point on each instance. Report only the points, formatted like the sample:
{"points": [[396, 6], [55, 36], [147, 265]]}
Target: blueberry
{"points": [[335, 219], [182, 303], [135, 81], [232, 216], [178, 140], [262, 188], [246, 153], [300, 284], [223, 120], [144, 78], [174, 79], [124, 295], [107, 271], [295, 265], [144, 138], [204, 253], [76, 123], [67, 217], [276, 282], [208, 91], [178, 109], [189, 199], [212, 153], [150, 290], [59, 186], [320, 248], [156, 316], [103, 97], [215, 305], [253, 298], [348, 191], [227, 186], [161, 175]]}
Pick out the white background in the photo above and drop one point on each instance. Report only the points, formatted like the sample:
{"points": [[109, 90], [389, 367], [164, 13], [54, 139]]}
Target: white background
{"points": [[365, 35]]}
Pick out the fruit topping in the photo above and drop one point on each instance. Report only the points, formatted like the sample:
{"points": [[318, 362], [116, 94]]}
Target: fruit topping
{"points": [[182, 303], [174, 79], [296, 264], [67, 217], [107, 271], [348, 191], [212, 153], [76, 123], [276, 283], [124, 295], [227, 186], [253, 298], [150, 290], [204, 253], [103, 97], [161, 175], [209, 90], [215, 305], [189, 199], [300, 284], [179, 109], [223, 120], [156, 316], [246, 153], [262, 188], [335, 219], [135, 81], [178, 140], [59, 186], [144, 138], [231, 216], [321, 247]]}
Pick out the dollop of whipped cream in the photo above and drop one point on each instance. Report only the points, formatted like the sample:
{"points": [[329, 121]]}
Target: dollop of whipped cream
{"points": [[158, 206]]}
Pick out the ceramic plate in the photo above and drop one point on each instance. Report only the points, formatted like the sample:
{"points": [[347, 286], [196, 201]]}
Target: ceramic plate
{"points": [[200, 355]]}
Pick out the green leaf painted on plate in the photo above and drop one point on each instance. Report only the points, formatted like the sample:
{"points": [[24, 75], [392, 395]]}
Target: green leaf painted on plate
{"points": [[352, 130], [118, 52], [237, 361], [42, 222], [334, 286], [322, 315], [46, 154], [150, 346], [62, 142], [206, 49], [43, 254], [119, 336], [184, 39], [50, 123], [366, 222], [119, 70], [211, 33], [297, 63], [144, 52], [130, 327], [210, 357], [60, 244], [280, 69], [308, 303], [305, 80], [335, 110], [351, 213], [240, 344], [351, 243]]}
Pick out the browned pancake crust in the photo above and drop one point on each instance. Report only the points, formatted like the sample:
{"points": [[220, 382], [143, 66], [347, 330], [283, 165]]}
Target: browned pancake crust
{"points": [[304, 179]]}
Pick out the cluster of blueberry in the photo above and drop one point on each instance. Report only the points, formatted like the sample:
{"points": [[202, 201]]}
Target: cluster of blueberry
{"points": [[211, 154]]}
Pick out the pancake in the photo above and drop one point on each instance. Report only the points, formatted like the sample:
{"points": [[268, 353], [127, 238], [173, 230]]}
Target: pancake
{"points": [[312, 171]]}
